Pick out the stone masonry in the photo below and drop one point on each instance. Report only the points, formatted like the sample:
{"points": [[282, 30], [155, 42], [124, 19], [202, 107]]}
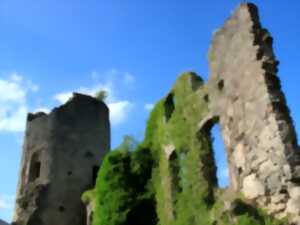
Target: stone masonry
{"points": [[62, 153], [246, 98], [63, 150]]}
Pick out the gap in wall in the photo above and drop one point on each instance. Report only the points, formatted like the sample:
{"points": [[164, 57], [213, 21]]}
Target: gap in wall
{"points": [[220, 156]]}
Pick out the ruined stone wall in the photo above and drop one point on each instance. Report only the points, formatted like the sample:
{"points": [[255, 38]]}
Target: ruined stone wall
{"points": [[62, 153], [170, 178], [245, 94]]}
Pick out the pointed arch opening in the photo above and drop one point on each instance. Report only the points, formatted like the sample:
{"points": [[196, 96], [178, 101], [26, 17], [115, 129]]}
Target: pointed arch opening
{"points": [[169, 106], [174, 168], [211, 128]]}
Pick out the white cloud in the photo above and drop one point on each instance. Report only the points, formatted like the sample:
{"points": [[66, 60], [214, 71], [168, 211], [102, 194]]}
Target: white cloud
{"points": [[13, 102], [63, 97], [10, 91], [6, 207], [32, 87], [119, 111], [148, 106], [14, 121], [16, 77], [7, 202], [119, 108]]}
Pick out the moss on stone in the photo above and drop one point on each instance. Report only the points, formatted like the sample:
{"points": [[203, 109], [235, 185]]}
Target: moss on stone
{"points": [[88, 196], [171, 175]]}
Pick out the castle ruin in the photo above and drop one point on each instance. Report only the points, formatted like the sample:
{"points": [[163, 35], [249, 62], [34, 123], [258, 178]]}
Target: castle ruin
{"points": [[63, 150], [62, 154], [246, 98]]}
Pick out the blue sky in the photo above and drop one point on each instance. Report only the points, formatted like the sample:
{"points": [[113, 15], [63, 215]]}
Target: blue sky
{"points": [[135, 49]]}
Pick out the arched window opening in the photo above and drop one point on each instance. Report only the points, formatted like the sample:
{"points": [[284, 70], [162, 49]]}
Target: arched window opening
{"points": [[219, 158], [206, 98], [35, 167], [220, 85], [169, 106], [95, 174], [144, 212], [174, 171]]}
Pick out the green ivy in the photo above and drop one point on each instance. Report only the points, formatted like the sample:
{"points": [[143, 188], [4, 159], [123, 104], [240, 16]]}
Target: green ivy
{"points": [[144, 184]]}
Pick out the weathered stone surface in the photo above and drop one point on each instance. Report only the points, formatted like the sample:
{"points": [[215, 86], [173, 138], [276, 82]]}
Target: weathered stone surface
{"points": [[253, 187], [246, 96], [89, 212], [239, 156], [169, 149], [243, 95], [293, 206], [61, 156], [295, 192]]}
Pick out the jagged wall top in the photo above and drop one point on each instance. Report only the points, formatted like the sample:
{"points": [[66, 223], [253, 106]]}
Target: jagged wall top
{"points": [[245, 94]]}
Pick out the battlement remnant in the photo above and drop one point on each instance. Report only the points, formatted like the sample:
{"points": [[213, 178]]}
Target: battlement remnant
{"points": [[62, 153], [245, 94]]}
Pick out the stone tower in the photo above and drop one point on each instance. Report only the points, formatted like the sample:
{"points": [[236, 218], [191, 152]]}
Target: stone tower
{"points": [[62, 153]]}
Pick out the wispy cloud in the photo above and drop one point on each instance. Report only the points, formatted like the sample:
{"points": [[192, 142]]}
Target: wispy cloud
{"points": [[114, 82], [129, 79], [6, 206], [7, 202], [13, 102], [63, 97], [119, 111], [148, 106]]}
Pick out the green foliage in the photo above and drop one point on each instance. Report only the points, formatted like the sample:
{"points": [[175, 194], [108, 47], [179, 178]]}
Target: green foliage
{"points": [[128, 144], [113, 190], [122, 188], [260, 218], [251, 215], [183, 189], [242, 213], [101, 95], [88, 196], [170, 178]]}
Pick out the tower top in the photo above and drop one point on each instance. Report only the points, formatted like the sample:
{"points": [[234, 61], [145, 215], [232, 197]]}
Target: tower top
{"points": [[76, 99]]}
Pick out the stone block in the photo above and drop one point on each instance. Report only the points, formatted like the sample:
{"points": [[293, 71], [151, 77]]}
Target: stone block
{"points": [[253, 187]]}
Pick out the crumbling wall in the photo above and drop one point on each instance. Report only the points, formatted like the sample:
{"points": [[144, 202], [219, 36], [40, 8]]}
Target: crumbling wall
{"points": [[246, 96], [172, 171], [61, 154], [185, 176]]}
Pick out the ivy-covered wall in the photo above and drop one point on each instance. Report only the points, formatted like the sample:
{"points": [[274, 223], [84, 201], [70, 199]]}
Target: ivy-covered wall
{"points": [[185, 167], [169, 178]]}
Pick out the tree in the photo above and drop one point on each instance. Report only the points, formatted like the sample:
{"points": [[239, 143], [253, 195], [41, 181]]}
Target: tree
{"points": [[128, 144], [101, 95]]}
